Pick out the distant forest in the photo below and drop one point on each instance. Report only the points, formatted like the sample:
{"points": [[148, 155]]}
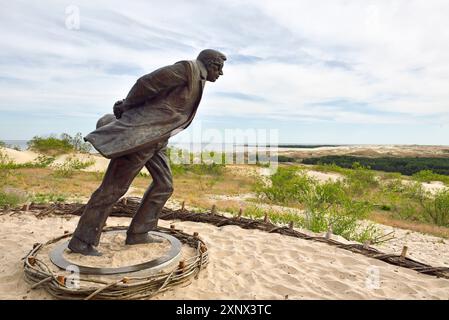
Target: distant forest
{"points": [[406, 166]]}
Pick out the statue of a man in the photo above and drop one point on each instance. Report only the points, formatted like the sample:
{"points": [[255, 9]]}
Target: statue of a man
{"points": [[157, 107]]}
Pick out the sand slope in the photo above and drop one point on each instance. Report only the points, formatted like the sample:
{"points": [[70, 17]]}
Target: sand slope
{"points": [[244, 264]]}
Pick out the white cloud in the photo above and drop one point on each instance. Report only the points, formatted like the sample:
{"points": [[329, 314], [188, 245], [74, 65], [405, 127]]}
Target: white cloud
{"points": [[387, 59]]}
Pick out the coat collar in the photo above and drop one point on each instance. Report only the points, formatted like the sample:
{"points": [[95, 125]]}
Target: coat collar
{"points": [[203, 70]]}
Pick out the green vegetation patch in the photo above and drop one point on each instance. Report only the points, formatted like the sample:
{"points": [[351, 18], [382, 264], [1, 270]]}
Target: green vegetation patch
{"points": [[328, 206], [54, 145], [406, 166]]}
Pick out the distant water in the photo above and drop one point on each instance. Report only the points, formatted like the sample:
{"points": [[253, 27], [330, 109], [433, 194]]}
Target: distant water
{"points": [[21, 144]]}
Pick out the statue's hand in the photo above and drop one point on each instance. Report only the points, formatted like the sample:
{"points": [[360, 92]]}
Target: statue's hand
{"points": [[118, 109]]}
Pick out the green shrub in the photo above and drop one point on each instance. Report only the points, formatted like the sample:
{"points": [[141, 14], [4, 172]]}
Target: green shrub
{"points": [[361, 179], [70, 166], [50, 145], [436, 208], [286, 185], [429, 176], [53, 145], [327, 205], [255, 212], [10, 199], [77, 164], [77, 142], [368, 233]]}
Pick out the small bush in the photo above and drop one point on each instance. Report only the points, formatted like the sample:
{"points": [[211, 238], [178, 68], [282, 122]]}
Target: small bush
{"points": [[285, 186], [10, 199], [436, 208], [69, 167], [361, 179], [77, 142], [276, 217], [429, 176], [53, 145], [50, 145], [368, 233], [77, 164]]}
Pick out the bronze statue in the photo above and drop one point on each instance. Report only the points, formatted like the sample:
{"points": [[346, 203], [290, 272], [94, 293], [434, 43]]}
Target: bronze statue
{"points": [[157, 107]]}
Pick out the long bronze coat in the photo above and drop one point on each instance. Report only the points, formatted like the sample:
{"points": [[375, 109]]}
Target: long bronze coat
{"points": [[164, 103]]}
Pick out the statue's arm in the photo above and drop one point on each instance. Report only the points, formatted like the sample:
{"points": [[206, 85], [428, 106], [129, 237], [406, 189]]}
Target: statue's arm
{"points": [[154, 84]]}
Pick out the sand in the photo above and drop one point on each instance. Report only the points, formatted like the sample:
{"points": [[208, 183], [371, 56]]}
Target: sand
{"points": [[117, 254], [369, 151], [244, 264], [19, 156]]}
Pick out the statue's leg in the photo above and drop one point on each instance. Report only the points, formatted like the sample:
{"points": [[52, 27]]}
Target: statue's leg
{"points": [[154, 199], [118, 177]]}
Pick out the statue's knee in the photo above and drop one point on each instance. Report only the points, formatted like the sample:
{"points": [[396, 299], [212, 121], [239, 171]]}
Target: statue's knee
{"points": [[165, 190], [111, 195]]}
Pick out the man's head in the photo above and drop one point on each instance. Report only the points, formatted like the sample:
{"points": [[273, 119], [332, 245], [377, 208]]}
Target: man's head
{"points": [[213, 61]]}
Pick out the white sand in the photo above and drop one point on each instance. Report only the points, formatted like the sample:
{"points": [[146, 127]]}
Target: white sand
{"points": [[244, 264], [19, 156]]}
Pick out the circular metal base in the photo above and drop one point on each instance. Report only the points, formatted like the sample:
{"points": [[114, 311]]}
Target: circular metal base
{"points": [[56, 256]]}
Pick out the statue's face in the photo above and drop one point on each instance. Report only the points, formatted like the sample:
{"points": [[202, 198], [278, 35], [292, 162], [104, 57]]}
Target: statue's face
{"points": [[214, 70]]}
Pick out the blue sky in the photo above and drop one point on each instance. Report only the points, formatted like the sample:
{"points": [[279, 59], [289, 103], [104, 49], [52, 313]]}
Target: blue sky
{"points": [[371, 72]]}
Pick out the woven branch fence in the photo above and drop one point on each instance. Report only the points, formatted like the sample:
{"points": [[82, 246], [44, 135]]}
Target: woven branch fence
{"points": [[128, 206], [38, 274]]}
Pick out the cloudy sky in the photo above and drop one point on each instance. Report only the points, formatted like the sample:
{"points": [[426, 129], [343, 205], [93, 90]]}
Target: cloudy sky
{"points": [[319, 71]]}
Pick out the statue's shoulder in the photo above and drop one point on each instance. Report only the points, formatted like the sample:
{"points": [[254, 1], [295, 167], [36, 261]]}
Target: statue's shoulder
{"points": [[182, 67], [189, 65], [192, 68]]}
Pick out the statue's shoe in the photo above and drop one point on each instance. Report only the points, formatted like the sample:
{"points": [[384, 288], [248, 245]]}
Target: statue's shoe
{"points": [[139, 238], [86, 249]]}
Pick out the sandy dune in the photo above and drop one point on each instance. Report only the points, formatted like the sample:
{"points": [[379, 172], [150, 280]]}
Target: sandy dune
{"points": [[369, 151], [244, 264]]}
